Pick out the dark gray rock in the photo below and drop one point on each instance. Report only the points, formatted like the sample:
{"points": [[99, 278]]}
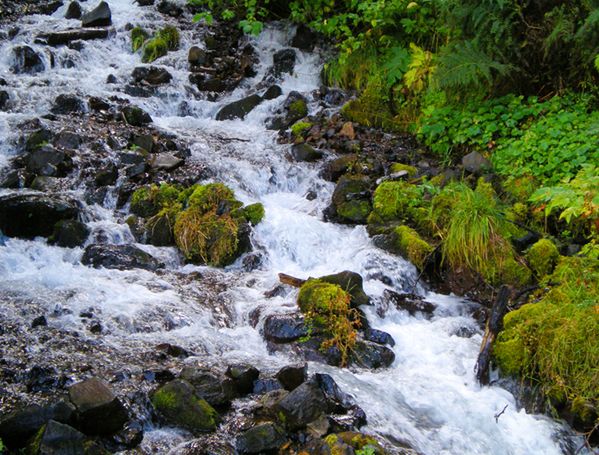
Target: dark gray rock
{"points": [[239, 109], [351, 200], [475, 163], [46, 184], [378, 336], [107, 175], [305, 152], [294, 108], [26, 60], [301, 406], [284, 328], [351, 282], [32, 215], [261, 438], [65, 37], [136, 116], [144, 141], [283, 62], [170, 8], [73, 11], [67, 103], [99, 411], [372, 355], [47, 161], [292, 376], [305, 38], [243, 377], [70, 233], [59, 439], [4, 100], [412, 303], [38, 138], [216, 390], [67, 140], [121, 257], [151, 75], [164, 162], [196, 56], [39, 321], [266, 385], [100, 16], [273, 92]]}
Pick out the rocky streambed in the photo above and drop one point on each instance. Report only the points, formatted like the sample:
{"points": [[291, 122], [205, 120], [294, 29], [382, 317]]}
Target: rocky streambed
{"points": [[112, 340]]}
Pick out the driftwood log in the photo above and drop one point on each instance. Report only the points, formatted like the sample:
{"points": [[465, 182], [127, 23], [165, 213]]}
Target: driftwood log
{"points": [[291, 280], [493, 327]]}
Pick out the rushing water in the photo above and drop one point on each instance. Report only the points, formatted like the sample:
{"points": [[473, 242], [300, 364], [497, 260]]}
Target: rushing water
{"points": [[428, 398]]}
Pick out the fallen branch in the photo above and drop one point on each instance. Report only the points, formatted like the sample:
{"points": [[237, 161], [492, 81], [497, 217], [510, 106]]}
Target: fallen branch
{"points": [[291, 280], [500, 413]]}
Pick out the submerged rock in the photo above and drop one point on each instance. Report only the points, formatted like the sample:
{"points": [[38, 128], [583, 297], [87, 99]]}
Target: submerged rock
{"points": [[239, 109], [283, 62], [121, 257]]}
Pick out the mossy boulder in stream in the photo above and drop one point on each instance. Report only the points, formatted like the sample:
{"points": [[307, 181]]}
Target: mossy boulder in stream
{"points": [[410, 245], [178, 404]]}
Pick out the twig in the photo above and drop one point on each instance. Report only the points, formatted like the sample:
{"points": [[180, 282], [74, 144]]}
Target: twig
{"points": [[500, 413]]}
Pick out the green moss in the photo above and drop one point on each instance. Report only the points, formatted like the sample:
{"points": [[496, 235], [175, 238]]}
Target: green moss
{"points": [[392, 200], [214, 196], [154, 48], [411, 246], [170, 35], [542, 257], [142, 203], [298, 109], [554, 342], [398, 167], [327, 306], [507, 270], [138, 38], [299, 128], [254, 213], [356, 211]]}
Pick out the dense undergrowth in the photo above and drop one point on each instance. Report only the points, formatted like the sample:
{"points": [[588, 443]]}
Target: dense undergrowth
{"points": [[515, 81]]}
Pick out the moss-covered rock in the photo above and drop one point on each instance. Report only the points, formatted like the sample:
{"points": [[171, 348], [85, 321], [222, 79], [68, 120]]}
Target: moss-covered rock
{"points": [[298, 109], [300, 128], [553, 342], [178, 404], [351, 199], [542, 257], [410, 245], [359, 442], [254, 213], [392, 200], [214, 196]]}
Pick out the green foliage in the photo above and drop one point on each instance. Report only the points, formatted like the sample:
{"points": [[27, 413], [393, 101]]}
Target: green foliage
{"points": [[399, 167], [393, 200], [1, 446], [553, 342], [326, 306], [138, 38], [170, 35], [542, 257]]}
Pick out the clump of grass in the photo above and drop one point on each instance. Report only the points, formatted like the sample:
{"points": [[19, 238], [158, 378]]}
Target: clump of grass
{"points": [[327, 306], [138, 38], [166, 39], [554, 342]]}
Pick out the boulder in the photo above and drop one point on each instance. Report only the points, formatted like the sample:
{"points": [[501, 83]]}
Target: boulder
{"points": [[67, 103], [294, 108], [26, 60], [169, 8], [136, 116], [305, 152], [283, 62], [31, 215], [351, 200], [239, 109], [107, 175], [73, 11], [261, 438], [243, 377], [336, 168], [99, 411], [284, 328], [266, 385], [303, 405], [57, 438], [70, 233], [38, 138], [475, 163], [165, 162], [378, 336], [67, 140], [213, 388], [177, 402], [292, 376], [46, 184], [151, 75], [196, 56], [100, 16], [121, 257]]}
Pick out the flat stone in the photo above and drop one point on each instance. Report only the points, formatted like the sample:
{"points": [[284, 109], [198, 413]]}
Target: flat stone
{"points": [[165, 162]]}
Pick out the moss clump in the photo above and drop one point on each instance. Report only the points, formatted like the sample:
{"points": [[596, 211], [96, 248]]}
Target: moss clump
{"points": [[177, 402], [398, 167], [411, 246], [149, 200], [520, 188], [542, 257], [360, 443], [171, 37], [154, 49], [214, 196], [254, 213], [142, 203], [356, 211], [298, 109], [327, 306], [554, 342], [392, 200], [299, 128], [138, 38]]}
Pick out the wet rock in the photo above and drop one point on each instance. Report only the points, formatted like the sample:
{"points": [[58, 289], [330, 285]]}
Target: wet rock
{"points": [[145, 2], [213, 388], [136, 116], [412, 303], [67, 104], [67, 140], [165, 162], [196, 56], [372, 355], [100, 16], [98, 104], [39, 321], [151, 75], [378, 336], [99, 411], [351, 282], [26, 60], [121, 257], [273, 92], [180, 406], [475, 163], [522, 243], [129, 437], [57, 438], [107, 175], [47, 161], [284, 328], [336, 168], [144, 141], [294, 108], [43, 379], [159, 232], [170, 8], [66, 37], [261, 438], [243, 377], [73, 11], [283, 62], [305, 152], [70, 233], [292, 376], [351, 200], [305, 38], [32, 215], [172, 350], [4, 100], [46, 183], [239, 109], [303, 405], [38, 138]]}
